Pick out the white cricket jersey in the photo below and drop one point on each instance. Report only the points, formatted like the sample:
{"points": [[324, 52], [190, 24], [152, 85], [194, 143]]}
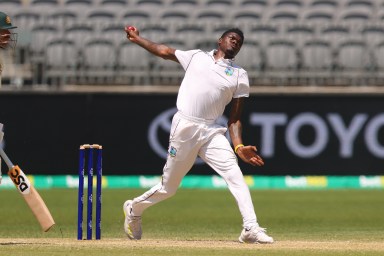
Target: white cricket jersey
{"points": [[209, 85]]}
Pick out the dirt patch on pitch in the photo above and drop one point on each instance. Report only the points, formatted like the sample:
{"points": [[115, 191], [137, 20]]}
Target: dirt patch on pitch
{"points": [[159, 243]]}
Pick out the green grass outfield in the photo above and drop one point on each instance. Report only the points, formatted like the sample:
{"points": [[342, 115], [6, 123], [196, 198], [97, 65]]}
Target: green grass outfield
{"points": [[204, 222]]}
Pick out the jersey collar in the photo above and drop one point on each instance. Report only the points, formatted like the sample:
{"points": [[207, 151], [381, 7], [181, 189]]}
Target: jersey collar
{"points": [[226, 61]]}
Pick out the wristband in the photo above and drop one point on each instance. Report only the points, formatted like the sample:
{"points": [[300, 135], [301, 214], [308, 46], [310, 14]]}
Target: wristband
{"points": [[238, 146]]}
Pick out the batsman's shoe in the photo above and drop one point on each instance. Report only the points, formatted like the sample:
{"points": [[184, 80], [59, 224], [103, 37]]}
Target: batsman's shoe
{"points": [[132, 224], [255, 235]]}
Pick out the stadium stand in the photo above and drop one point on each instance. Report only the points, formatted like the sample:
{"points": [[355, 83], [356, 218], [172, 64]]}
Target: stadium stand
{"points": [[10, 6], [133, 65], [113, 33], [42, 35], [287, 41], [99, 61], [61, 62]]}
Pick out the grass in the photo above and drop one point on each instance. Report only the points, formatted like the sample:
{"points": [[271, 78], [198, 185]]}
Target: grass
{"points": [[303, 222]]}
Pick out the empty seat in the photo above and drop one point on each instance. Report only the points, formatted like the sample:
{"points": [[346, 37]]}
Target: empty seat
{"points": [[174, 16], [61, 62], [79, 6], [79, 33], [253, 3], [354, 17], [135, 17], [300, 33], [379, 14], [11, 6], [317, 16], [115, 33], [288, 5], [78, 3], [133, 64], [354, 63], [100, 18], [184, 3], [245, 17], [63, 18], [155, 32], [99, 60], [151, 5], [379, 57], [324, 4], [373, 34], [41, 36], [26, 19], [281, 55], [113, 5], [317, 55], [365, 5], [353, 55], [44, 3], [208, 16], [264, 33], [44, 7], [221, 4], [335, 34], [250, 57], [282, 17], [190, 33]]}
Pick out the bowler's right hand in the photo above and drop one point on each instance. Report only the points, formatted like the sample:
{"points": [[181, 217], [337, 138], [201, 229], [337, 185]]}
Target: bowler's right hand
{"points": [[132, 32]]}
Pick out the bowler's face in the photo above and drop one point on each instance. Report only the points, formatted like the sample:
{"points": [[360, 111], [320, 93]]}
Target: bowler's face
{"points": [[230, 44]]}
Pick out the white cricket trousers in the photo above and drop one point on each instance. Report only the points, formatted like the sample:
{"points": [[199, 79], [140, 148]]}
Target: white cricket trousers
{"points": [[189, 138]]}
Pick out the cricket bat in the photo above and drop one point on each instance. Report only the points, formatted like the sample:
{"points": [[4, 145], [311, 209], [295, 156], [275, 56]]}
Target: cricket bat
{"points": [[31, 196]]}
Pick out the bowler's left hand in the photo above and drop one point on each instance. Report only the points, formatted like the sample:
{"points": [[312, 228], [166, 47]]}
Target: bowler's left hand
{"points": [[248, 154]]}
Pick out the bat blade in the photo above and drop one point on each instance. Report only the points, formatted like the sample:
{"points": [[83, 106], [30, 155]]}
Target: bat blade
{"points": [[32, 198]]}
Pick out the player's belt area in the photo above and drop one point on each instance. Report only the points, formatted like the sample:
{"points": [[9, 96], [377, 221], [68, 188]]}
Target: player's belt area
{"points": [[195, 119]]}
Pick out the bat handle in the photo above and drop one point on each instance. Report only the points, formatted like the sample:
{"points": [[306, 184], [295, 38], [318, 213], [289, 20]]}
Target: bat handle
{"points": [[6, 159]]}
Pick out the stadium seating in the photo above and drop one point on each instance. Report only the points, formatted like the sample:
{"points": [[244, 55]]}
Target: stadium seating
{"points": [[42, 35], [10, 6], [99, 61], [314, 40], [61, 62], [132, 64]]}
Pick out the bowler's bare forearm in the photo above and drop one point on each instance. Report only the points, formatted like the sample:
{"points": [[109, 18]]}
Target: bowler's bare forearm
{"points": [[159, 50], [235, 132], [234, 124]]}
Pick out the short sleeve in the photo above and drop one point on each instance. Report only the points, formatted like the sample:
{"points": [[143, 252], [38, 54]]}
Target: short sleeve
{"points": [[185, 57], [243, 85]]}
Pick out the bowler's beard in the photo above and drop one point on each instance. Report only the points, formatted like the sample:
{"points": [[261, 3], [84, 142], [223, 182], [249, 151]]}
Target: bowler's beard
{"points": [[230, 53]]}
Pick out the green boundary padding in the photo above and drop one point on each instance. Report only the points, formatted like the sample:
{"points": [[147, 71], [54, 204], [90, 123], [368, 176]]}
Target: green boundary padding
{"points": [[212, 182]]}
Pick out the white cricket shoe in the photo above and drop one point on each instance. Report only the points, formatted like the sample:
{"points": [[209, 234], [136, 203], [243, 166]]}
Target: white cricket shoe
{"points": [[132, 224], [255, 235]]}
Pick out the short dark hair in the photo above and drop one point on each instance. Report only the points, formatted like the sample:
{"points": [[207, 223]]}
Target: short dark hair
{"points": [[234, 30]]}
